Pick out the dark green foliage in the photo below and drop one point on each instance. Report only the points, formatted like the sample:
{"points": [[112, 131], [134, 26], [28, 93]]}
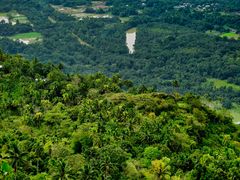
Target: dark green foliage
{"points": [[171, 46], [8, 30]]}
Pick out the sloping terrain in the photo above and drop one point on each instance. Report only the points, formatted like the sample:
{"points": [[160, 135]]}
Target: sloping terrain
{"points": [[60, 126], [187, 42]]}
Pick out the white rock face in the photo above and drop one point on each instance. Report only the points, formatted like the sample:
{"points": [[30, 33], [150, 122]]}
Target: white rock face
{"points": [[24, 41], [5, 19], [131, 39]]}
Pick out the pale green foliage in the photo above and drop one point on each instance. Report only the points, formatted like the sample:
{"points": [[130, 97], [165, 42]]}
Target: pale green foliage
{"points": [[131, 169], [60, 150], [161, 168], [151, 153]]}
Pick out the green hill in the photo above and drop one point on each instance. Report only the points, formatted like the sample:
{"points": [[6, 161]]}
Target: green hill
{"points": [[60, 126]]}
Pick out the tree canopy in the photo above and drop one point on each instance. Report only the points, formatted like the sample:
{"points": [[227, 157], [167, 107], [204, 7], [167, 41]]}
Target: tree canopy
{"points": [[70, 126]]}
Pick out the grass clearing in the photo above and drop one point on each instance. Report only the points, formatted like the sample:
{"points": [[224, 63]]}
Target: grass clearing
{"points": [[30, 35], [21, 19], [223, 83], [229, 35], [27, 38], [14, 17]]}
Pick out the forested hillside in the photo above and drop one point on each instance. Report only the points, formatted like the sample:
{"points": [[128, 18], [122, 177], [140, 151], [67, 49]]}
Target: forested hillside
{"points": [[60, 126], [189, 42]]}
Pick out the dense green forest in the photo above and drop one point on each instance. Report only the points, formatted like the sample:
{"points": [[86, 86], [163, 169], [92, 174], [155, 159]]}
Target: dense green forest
{"points": [[70, 111], [71, 126], [186, 41]]}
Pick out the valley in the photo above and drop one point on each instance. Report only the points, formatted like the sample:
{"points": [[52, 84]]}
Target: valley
{"points": [[119, 89], [171, 44]]}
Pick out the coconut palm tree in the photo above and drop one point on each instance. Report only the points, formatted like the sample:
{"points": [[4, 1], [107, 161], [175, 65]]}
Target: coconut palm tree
{"points": [[16, 156]]}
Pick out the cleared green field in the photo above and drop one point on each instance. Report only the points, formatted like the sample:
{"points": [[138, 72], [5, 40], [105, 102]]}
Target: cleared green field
{"points": [[222, 83], [14, 16], [31, 35], [20, 19], [27, 38], [231, 35]]}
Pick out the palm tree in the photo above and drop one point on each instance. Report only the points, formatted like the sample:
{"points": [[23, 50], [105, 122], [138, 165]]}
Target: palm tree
{"points": [[17, 156], [161, 168], [60, 169]]}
